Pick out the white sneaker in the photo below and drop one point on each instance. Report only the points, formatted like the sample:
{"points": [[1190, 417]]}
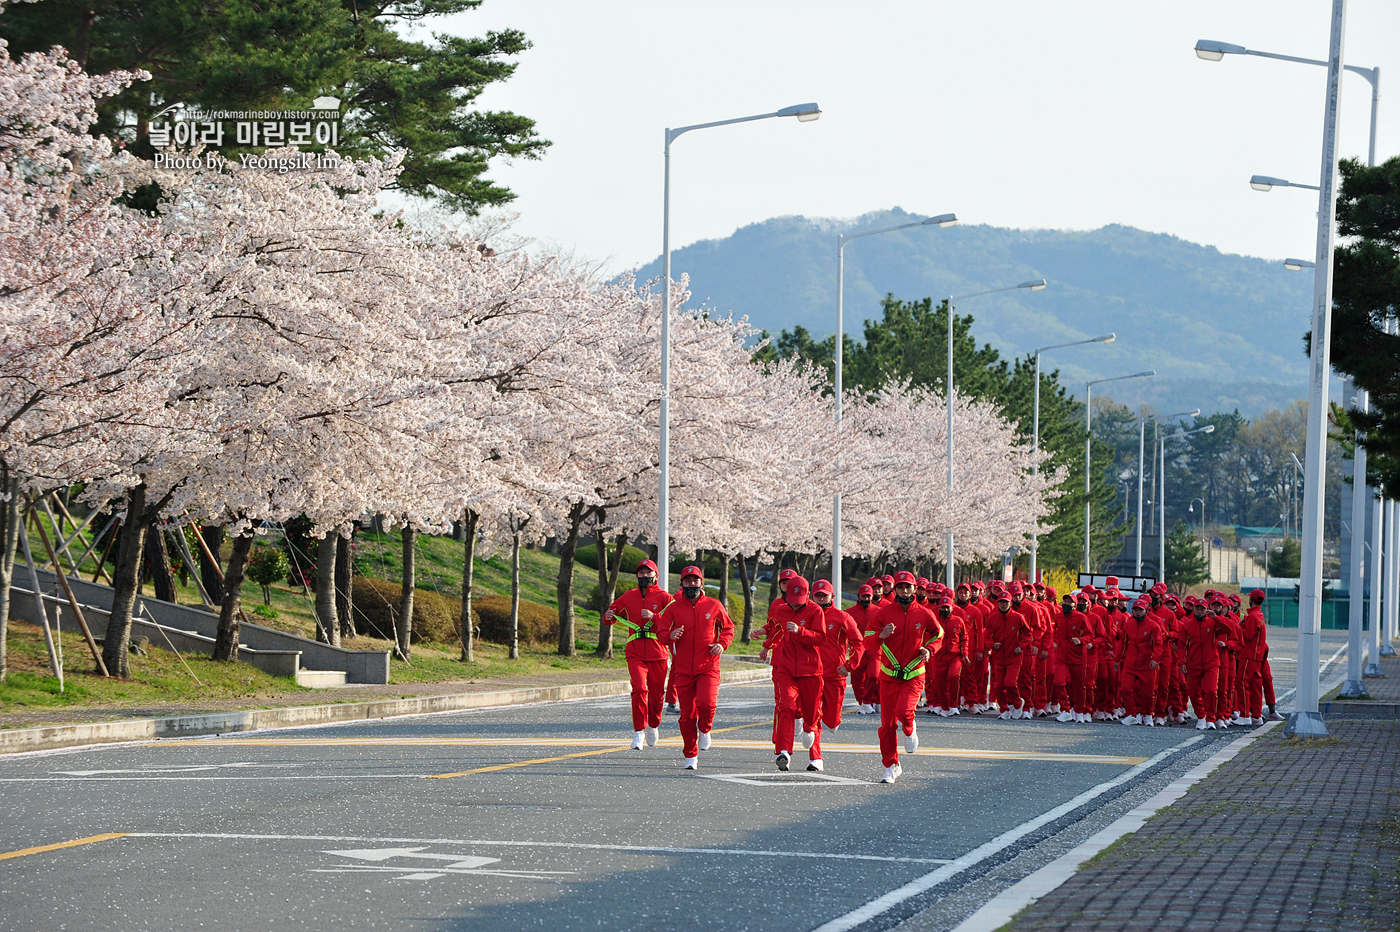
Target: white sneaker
{"points": [[704, 740], [638, 739], [1017, 714], [797, 724], [815, 765], [1065, 717], [653, 735], [672, 709], [1210, 726], [1200, 725], [808, 739], [954, 711], [692, 763], [891, 774], [1005, 716], [1130, 720], [1149, 721], [911, 741], [784, 759], [1256, 722], [1087, 719], [834, 729]]}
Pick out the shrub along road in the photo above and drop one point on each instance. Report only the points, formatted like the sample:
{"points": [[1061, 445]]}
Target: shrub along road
{"points": [[541, 817]]}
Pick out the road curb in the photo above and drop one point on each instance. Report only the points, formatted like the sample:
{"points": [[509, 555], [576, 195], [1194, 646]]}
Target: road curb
{"points": [[52, 737], [1000, 910]]}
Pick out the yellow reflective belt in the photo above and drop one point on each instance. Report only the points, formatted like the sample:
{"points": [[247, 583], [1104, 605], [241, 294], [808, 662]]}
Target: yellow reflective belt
{"points": [[634, 631], [900, 672]]}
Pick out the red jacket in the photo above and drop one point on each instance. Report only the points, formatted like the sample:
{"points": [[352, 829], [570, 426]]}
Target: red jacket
{"points": [[642, 642], [704, 623], [1252, 629], [1008, 629], [1074, 625], [954, 643], [914, 628], [797, 653], [1140, 642], [1198, 639], [844, 644]]}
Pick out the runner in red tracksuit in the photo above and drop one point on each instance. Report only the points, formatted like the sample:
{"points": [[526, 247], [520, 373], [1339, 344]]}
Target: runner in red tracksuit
{"points": [[1007, 638], [635, 612], [1141, 640], [842, 652], [951, 656], [907, 633], [1201, 639], [1225, 691], [972, 624], [1075, 643], [982, 606], [1161, 693], [698, 629], [1252, 629], [863, 681], [797, 629]]}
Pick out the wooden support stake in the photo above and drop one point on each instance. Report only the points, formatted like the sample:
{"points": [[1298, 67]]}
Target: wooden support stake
{"points": [[73, 603], [54, 663]]}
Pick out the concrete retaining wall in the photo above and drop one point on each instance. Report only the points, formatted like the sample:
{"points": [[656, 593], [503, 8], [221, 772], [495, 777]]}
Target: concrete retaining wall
{"points": [[219, 723]]}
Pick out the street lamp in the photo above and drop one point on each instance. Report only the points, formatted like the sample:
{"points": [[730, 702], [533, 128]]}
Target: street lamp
{"points": [[804, 113], [1162, 498], [1142, 438], [1035, 424], [942, 222], [1035, 284], [1089, 445], [1191, 510], [1297, 265], [1268, 183], [1305, 720]]}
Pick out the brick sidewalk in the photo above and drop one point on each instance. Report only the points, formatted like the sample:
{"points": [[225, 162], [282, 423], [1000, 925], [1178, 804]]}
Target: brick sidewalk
{"points": [[1385, 688], [1286, 836]]}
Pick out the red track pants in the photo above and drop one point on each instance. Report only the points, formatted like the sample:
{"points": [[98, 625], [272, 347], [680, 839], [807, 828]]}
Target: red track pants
{"points": [[798, 697], [946, 686], [1135, 691], [1268, 674], [1253, 683], [898, 699], [1225, 686], [1003, 690], [1077, 681], [698, 694], [648, 686], [1200, 686], [833, 698]]}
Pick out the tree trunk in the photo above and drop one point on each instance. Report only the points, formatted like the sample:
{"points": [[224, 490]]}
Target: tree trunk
{"points": [[403, 625], [344, 584], [327, 624], [126, 577], [607, 588], [209, 573], [158, 565], [9, 541], [564, 586], [723, 579], [515, 596], [778, 558], [746, 633], [468, 525], [226, 641]]}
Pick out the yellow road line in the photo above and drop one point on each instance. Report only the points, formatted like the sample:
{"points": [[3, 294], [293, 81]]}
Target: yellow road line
{"points": [[107, 836]]}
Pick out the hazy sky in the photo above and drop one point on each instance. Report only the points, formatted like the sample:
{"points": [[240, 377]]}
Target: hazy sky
{"points": [[1020, 114]]}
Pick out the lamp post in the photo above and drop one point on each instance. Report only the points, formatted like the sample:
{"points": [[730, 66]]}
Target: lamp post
{"points": [[1142, 438], [1268, 183], [1305, 720], [1089, 446], [1162, 505], [1035, 284], [805, 113], [1191, 509], [1035, 425], [942, 221]]}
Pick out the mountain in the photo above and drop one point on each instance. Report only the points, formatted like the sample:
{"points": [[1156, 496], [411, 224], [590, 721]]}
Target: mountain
{"points": [[1222, 331]]}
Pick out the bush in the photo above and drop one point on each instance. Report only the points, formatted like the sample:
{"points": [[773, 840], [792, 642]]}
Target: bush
{"points": [[376, 608], [266, 566], [539, 624], [631, 556]]}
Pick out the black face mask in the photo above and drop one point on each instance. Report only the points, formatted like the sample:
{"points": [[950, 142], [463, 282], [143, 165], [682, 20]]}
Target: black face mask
{"points": [[863, 603], [904, 599], [1067, 609], [691, 592], [644, 583]]}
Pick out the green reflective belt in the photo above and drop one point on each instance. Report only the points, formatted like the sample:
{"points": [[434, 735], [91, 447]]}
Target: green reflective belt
{"points": [[907, 672], [870, 634], [634, 631]]}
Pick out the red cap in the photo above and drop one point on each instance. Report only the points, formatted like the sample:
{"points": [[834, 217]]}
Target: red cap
{"points": [[1017, 588], [1082, 596], [646, 565], [1111, 581], [1216, 600], [822, 585], [963, 585], [1160, 588], [979, 585], [692, 571], [1001, 594], [786, 574], [1089, 589], [1067, 597], [797, 589], [945, 602], [921, 582], [866, 590], [1143, 602], [903, 576], [887, 578], [1257, 594], [872, 581], [1114, 594], [1050, 591]]}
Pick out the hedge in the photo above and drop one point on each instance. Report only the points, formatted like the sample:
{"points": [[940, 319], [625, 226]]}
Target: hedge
{"points": [[376, 607], [539, 624]]}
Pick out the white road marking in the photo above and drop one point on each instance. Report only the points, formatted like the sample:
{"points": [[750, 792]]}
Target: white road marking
{"points": [[91, 773], [461, 864], [932, 879], [279, 776], [770, 778], [481, 843], [1321, 692]]}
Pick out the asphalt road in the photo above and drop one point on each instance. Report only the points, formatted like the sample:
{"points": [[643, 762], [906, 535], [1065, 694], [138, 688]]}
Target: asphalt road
{"points": [[541, 817]]}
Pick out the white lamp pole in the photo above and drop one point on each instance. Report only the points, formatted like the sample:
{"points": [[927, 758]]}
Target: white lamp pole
{"points": [[805, 113], [1305, 720], [1035, 426], [1035, 284], [1089, 445], [1142, 439], [942, 221]]}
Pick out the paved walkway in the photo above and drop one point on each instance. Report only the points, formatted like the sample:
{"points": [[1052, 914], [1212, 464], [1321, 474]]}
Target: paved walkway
{"points": [[1287, 836]]}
